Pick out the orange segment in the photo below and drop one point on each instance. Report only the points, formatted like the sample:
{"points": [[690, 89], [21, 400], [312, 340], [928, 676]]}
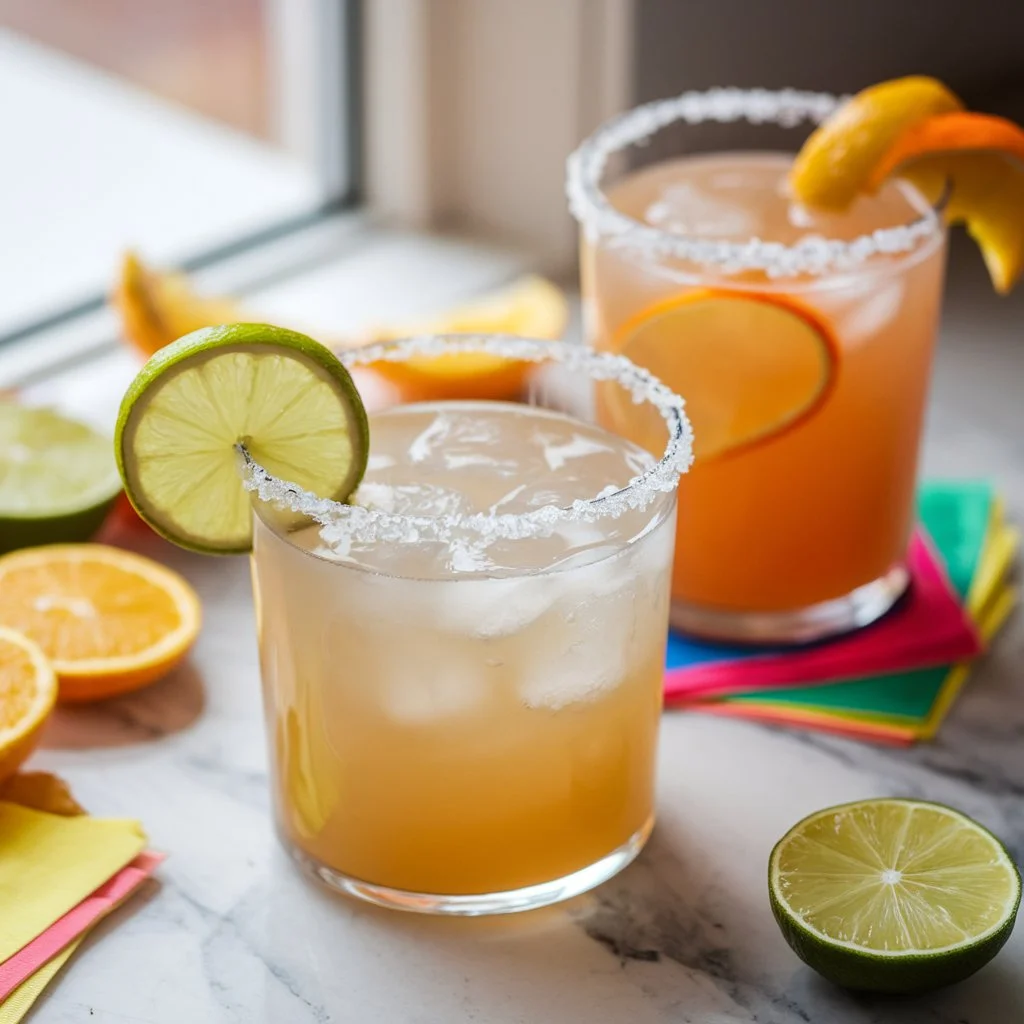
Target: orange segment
{"points": [[42, 792], [981, 159], [157, 308], [108, 620], [28, 689], [750, 366], [836, 163], [531, 308]]}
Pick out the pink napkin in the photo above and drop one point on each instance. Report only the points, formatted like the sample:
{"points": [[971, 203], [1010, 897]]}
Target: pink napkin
{"points": [[928, 628], [78, 920]]}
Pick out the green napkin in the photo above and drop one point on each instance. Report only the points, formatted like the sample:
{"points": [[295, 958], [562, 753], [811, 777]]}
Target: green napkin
{"points": [[962, 517]]}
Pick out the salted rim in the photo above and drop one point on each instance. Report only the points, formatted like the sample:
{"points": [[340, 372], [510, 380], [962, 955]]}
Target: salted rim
{"points": [[345, 523], [786, 107]]}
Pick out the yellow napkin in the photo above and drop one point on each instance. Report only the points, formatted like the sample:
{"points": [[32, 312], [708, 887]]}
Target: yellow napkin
{"points": [[20, 1001], [48, 865]]}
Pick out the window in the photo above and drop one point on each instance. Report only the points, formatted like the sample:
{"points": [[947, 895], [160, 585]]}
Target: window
{"points": [[180, 129]]}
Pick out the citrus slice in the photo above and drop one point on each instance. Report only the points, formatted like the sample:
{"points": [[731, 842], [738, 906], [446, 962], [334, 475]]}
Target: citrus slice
{"points": [[836, 162], [530, 308], [28, 689], [283, 395], [980, 159], [109, 621], [157, 307], [750, 366], [41, 791], [58, 479], [893, 895]]}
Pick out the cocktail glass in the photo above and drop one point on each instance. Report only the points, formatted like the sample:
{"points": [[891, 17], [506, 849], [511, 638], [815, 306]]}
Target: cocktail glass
{"points": [[802, 341], [462, 669]]}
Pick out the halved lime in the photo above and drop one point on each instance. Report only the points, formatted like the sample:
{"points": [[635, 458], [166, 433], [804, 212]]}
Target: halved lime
{"points": [[57, 478], [893, 895], [283, 395]]}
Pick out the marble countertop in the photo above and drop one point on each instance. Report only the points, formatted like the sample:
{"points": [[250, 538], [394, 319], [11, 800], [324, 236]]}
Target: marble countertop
{"points": [[231, 932]]}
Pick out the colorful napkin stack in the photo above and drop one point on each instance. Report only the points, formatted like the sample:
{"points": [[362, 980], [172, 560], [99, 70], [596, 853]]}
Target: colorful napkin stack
{"points": [[896, 680], [59, 875]]}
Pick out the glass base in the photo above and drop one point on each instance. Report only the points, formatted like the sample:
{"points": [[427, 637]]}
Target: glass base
{"points": [[816, 622], [515, 900]]}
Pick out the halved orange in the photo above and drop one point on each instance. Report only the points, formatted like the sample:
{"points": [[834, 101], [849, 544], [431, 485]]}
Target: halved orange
{"points": [[109, 621], [749, 365], [980, 159], [28, 689]]}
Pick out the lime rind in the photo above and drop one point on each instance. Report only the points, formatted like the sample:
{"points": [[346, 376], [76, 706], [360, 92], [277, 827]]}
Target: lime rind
{"points": [[902, 971], [282, 394]]}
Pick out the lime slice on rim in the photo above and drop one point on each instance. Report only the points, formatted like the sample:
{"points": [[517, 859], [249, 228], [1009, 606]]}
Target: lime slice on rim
{"points": [[893, 895], [57, 478], [283, 395]]}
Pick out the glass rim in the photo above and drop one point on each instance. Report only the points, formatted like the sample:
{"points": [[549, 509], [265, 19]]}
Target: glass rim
{"points": [[787, 108], [357, 523]]}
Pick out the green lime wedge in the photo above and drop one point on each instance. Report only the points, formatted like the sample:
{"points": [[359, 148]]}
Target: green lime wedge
{"points": [[894, 896], [57, 478], [283, 395]]}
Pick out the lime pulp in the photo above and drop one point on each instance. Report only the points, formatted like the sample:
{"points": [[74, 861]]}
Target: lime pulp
{"points": [[893, 895]]}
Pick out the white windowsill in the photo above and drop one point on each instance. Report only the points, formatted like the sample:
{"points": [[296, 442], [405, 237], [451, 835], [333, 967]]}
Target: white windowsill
{"points": [[354, 276]]}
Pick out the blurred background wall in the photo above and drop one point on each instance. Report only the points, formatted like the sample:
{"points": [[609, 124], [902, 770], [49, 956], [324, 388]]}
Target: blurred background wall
{"points": [[181, 125]]}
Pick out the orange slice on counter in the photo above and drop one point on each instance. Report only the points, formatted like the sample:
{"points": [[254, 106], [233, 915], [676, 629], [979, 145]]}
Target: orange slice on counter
{"points": [[980, 159], [750, 366], [531, 308], [28, 690], [838, 160], [157, 307], [109, 621], [41, 791]]}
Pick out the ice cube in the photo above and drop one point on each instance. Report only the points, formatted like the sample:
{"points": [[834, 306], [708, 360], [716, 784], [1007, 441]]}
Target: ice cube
{"points": [[408, 499], [872, 314], [469, 460], [592, 665], [493, 608], [425, 443], [557, 455], [422, 690], [687, 209], [589, 652]]}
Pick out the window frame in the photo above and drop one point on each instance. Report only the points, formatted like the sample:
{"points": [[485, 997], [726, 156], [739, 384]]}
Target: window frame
{"points": [[316, 60]]}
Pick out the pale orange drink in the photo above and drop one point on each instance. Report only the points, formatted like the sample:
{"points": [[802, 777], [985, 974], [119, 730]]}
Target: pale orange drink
{"points": [[802, 340], [462, 670]]}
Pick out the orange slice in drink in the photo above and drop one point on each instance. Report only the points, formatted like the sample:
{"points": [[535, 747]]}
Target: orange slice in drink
{"points": [[28, 689], [109, 621], [980, 159], [750, 366]]}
